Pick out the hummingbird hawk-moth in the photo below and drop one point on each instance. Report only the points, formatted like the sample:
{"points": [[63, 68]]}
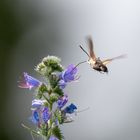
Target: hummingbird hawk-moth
{"points": [[95, 62]]}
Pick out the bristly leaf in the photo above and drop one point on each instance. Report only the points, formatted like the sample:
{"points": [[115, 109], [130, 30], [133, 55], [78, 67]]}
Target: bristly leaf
{"points": [[42, 89], [53, 79], [44, 129], [58, 116], [30, 129], [53, 98], [58, 68], [57, 133], [58, 91]]}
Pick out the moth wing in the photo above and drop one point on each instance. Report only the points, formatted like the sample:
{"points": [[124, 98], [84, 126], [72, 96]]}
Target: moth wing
{"points": [[91, 48], [107, 61]]}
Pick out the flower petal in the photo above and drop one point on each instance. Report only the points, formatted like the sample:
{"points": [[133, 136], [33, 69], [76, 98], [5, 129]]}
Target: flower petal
{"points": [[28, 81], [45, 114], [37, 103], [62, 101], [62, 84], [70, 109], [53, 138], [68, 74], [35, 117]]}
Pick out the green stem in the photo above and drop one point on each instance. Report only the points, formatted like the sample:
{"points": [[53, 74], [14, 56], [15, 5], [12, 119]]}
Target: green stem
{"points": [[31, 130], [46, 98], [50, 121]]}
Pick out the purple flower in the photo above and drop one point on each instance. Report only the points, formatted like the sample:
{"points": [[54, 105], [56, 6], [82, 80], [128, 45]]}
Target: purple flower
{"points": [[68, 74], [35, 117], [45, 114], [62, 101], [70, 109], [28, 82], [53, 138], [36, 103], [40, 115], [62, 84]]}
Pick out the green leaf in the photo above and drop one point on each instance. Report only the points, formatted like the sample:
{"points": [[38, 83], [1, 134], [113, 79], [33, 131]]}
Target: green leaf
{"points": [[58, 116], [57, 133], [44, 129], [30, 129], [39, 95], [42, 89], [53, 79], [57, 67], [58, 91], [62, 118], [53, 98]]}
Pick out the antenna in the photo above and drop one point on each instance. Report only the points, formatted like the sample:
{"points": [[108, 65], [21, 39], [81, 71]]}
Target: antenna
{"points": [[84, 50]]}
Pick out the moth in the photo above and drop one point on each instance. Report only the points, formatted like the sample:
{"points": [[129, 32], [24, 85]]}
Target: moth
{"points": [[95, 62]]}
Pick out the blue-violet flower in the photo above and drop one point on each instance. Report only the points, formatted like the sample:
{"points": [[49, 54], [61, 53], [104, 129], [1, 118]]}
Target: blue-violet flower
{"points": [[70, 109], [68, 74], [53, 138], [62, 84], [28, 82], [46, 114], [62, 101], [35, 117], [37, 103]]}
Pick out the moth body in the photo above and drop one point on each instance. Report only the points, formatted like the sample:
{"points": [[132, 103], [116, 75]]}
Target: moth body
{"points": [[96, 63]]}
